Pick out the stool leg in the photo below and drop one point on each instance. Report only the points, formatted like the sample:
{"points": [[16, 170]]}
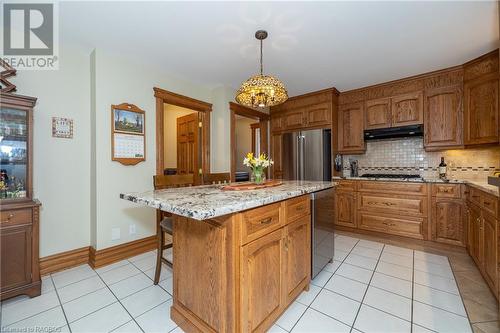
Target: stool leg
{"points": [[159, 253]]}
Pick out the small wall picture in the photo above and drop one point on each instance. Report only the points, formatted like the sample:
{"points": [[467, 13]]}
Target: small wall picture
{"points": [[128, 121], [62, 127]]}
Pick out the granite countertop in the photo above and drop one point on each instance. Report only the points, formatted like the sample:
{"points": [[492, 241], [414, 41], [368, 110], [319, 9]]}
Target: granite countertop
{"points": [[209, 201], [479, 184]]}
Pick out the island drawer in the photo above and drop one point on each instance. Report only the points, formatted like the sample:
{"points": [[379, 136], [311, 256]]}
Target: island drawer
{"points": [[393, 187], [489, 204], [393, 204], [15, 217], [297, 207], [407, 226], [474, 195], [446, 191], [260, 221]]}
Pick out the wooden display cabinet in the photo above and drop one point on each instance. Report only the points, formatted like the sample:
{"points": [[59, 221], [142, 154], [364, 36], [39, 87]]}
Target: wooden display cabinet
{"points": [[19, 212]]}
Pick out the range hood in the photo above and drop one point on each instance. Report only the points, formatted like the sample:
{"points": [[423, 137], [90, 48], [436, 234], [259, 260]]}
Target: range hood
{"points": [[394, 132]]}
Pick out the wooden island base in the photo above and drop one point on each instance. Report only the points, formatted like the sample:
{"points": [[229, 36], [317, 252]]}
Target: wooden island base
{"points": [[239, 273]]}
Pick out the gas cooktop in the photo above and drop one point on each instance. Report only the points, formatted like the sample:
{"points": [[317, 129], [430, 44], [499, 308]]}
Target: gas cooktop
{"points": [[395, 176]]}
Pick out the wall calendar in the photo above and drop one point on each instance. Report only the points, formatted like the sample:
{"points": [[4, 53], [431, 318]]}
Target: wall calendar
{"points": [[128, 134]]}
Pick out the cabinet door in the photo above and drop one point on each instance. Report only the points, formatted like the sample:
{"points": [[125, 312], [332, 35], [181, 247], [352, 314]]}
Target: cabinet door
{"points": [[15, 256], [490, 250], [294, 119], [481, 110], [345, 209], [407, 110], [443, 117], [262, 274], [319, 114], [448, 221], [276, 155], [350, 123], [276, 123], [474, 234], [378, 113], [298, 257]]}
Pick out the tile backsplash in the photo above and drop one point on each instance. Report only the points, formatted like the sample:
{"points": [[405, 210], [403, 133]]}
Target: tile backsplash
{"points": [[407, 156]]}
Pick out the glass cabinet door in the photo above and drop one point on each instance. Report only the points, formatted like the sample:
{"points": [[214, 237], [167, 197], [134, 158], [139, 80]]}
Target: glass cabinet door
{"points": [[13, 153]]}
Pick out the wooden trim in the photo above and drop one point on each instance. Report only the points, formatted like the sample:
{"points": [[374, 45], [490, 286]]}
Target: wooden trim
{"points": [[64, 260], [183, 101], [333, 90], [166, 97], [236, 109], [99, 258]]}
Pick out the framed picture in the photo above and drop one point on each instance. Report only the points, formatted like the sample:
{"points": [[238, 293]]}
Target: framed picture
{"points": [[62, 128], [128, 134]]}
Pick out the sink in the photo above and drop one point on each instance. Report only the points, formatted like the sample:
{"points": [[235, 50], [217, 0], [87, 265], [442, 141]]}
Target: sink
{"points": [[494, 181]]}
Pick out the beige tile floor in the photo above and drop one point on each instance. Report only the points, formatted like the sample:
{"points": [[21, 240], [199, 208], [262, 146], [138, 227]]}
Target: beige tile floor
{"points": [[480, 304]]}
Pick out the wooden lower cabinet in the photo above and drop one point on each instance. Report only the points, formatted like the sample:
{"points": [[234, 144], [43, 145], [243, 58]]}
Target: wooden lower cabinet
{"points": [[262, 273], [489, 232], [475, 241], [448, 217], [345, 209], [229, 280]]}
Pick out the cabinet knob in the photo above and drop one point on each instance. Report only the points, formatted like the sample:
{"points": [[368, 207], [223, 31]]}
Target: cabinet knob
{"points": [[266, 221]]}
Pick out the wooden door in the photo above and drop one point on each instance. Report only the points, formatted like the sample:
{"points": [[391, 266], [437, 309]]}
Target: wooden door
{"points": [[407, 109], [319, 114], [350, 128], [294, 119], [298, 257], [481, 110], [261, 281], [474, 234], [187, 144], [448, 221], [378, 113], [345, 206], [276, 155], [15, 256], [443, 117], [490, 250]]}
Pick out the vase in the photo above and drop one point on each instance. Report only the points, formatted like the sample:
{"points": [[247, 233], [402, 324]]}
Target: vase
{"points": [[258, 176]]}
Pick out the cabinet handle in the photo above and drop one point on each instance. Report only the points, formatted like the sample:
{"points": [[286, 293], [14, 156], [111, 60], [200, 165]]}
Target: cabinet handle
{"points": [[286, 244], [445, 190], [9, 217], [487, 203], [389, 224], [299, 208], [266, 221]]}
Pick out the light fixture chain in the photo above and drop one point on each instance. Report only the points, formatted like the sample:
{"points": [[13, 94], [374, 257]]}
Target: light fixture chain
{"points": [[261, 67]]}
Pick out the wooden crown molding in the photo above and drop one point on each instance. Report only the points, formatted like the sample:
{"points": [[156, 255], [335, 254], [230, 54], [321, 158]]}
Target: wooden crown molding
{"points": [[247, 112], [183, 101]]}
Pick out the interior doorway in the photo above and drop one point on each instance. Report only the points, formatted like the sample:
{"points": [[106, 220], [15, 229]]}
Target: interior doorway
{"points": [[249, 133], [182, 135]]}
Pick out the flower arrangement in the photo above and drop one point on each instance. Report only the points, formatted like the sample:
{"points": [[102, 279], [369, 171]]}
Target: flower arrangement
{"points": [[258, 165]]}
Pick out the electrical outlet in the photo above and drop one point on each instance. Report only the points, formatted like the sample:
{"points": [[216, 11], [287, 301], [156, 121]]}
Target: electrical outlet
{"points": [[115, 233], [131, 229]]}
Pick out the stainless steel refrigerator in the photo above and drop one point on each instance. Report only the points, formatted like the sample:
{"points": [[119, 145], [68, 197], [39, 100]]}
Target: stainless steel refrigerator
{"points": [[307, 156]]}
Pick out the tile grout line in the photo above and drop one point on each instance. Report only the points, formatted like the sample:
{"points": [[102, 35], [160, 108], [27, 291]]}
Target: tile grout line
{"points": [[111, 291], [460, 294], [368, 287], [412, 290], [60, 303], [171, 296], [323, 287]]}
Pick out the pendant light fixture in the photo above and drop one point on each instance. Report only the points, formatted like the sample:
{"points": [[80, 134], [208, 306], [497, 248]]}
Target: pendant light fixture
{"points": [[261, 90]]}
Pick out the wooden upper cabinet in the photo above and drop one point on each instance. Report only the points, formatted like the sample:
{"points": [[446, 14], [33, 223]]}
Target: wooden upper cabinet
{"points": [[407, 109], [350, 128], [319, 114], [294, 119], [378, 113], [443, 117], [276, 123], [481, 110]]}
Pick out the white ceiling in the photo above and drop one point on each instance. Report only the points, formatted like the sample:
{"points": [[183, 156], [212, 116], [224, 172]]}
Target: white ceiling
{"points": [[311, 45]]}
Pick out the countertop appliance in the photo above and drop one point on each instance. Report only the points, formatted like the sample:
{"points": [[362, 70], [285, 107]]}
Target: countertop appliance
{"points": [[307, 156], [394, 132]]}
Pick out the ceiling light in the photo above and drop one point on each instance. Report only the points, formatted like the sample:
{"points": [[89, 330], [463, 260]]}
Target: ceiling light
{"points": [[261, 90]]}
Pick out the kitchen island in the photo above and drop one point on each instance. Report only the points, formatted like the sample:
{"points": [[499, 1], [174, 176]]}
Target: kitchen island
{"points": [[240, 257]]}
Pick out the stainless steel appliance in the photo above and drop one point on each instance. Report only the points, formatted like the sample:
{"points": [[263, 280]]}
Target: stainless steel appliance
{"points": [[307, 156]]}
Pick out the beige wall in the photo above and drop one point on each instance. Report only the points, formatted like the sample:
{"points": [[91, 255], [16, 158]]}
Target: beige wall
{"points": [[170, 115], [243, 134]]}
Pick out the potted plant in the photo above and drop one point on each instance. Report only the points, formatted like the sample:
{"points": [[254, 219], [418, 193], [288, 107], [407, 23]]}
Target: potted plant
{"points": [[258, 165]]}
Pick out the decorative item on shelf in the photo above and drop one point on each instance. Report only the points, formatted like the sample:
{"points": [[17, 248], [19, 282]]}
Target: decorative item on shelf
{"points": [[261, 90], [258, 165], [442, 169], [62, 128], [128, 134]]}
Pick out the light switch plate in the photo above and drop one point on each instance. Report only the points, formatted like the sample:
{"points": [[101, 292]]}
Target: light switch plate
{"points": [[115, 233], [132, 229]]}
